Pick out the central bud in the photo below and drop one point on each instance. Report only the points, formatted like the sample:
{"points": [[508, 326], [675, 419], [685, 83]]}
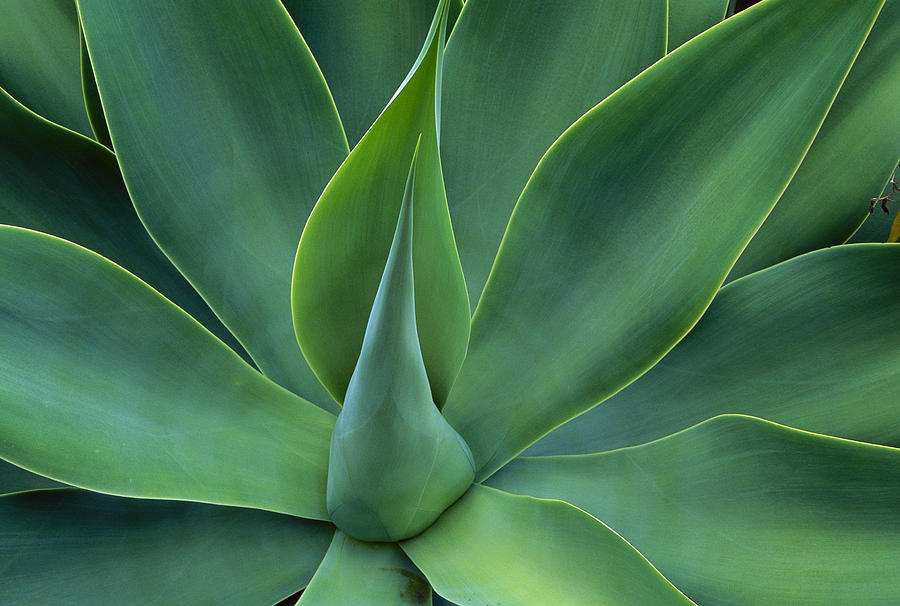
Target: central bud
{"points": [[395, 463]]}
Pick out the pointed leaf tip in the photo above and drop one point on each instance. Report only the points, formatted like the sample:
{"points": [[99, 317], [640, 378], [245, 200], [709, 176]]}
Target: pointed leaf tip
{"points": [[388, 494]]}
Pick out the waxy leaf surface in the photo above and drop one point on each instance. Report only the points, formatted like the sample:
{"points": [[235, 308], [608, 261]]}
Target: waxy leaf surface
{"points": [[810, 343], [687, 18], [74, 547], [742, 511], [493, 548], [855, 150], [516, 75], [538, 358], [365, 574], [39, 59], [345, 243], [226, 135], [56, 181], [106, 385], [15, 479]]}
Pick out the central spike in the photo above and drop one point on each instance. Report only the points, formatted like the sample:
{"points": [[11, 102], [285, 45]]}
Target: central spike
{"points": [[395, 462]]}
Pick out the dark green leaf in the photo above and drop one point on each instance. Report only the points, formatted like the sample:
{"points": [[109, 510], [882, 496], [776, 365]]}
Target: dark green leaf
{"points": [[687, 18], [226, 135]]}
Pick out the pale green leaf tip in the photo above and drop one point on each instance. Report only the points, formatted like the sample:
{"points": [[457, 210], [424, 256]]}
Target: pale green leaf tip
{"points": [[395, 463]]}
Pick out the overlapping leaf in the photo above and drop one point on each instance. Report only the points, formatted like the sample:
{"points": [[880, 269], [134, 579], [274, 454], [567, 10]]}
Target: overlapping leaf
{"points": [[74, 547], [810, 343], [517, 75], [496, 548], [742, 511], [107, 385], [687, 18], [226, 135], [538, 358], [345, 243]]}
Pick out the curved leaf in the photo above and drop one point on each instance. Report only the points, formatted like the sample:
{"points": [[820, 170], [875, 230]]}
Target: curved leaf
{"points": [[107, 385], [39, 59], [687, 18], [345, 243], [364, 49], [537, 359], [738, 510], [92, 102], [225, 140], [15, 479], [877, 226], [856, 147], [74, 547], [58, 182], [365, 574], [810, 343], [516, 76], [495, 548]]}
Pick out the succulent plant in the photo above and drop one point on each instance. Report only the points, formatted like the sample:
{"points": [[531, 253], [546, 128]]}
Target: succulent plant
{"points": [[370, 321]]}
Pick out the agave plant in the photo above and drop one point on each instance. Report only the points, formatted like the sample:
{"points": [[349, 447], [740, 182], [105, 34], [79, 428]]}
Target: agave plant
{"points": [[526, 225]]}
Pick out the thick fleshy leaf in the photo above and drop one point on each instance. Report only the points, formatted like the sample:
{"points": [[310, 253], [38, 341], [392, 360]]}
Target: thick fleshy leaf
{"points": [[857, 146], [516, 76], [15, 479], [345, 243], [107, 385], [365, 574], [92, 102], [738, 510], [536, 358], [687, 18], [39, 59], [877, 226], [226, 135], [496, 548], [389, 494], [811, 343], [57, 181], [74, 547], [364, 49]]}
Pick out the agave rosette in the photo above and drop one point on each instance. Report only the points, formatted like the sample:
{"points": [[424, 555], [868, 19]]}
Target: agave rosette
{"points": [[531, 217]]}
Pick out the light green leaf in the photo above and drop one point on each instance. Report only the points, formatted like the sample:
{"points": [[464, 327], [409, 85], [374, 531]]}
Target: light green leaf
{"points": [[536, 358], [107, 385], [14, 479], [345, 243], [73, 547], [517, 75], [365, 574], [59, 182], [494, 548], [810, 343], [92, 102], [857, 146], [226, 135], [388, 494], [738, 510], [364, 49], [687, 18], [39, 59]]}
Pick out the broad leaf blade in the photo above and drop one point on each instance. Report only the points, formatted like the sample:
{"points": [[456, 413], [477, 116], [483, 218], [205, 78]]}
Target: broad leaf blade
{"points": [[516, 76], [496, 548], [364, 49], [226, 135], [345, 243], [810, 343], [56, 181], [687, 18], [536, 359], [92, 102], [107, 385], [742, 511], [74, 547], [856, 147], [365, 574], [39, 59]]}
